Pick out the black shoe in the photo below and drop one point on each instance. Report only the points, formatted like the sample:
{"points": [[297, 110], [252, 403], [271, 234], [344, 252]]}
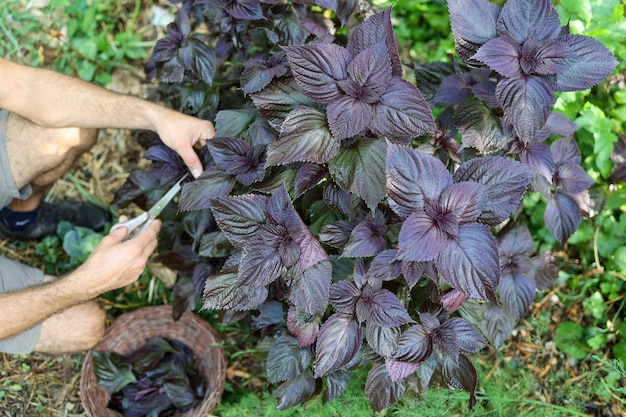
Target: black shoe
{"points": [[78, 213]]}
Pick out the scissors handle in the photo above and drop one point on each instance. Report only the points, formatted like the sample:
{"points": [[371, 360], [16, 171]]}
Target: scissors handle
{"points": [[135, 225]]}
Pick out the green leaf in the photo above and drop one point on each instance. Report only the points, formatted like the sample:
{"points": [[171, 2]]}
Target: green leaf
{"points": [[569, 339], [112, 373], [233, 123], [214, 245], [360, 169], [619, 351], [595, 305], [593, 119]]}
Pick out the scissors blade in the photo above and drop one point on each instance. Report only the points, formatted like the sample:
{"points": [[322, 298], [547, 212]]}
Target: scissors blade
{"points": [[160, 205]]}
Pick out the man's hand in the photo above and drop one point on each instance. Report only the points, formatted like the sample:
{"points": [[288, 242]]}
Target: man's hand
{"points": [[116, 263], [182, 133]]}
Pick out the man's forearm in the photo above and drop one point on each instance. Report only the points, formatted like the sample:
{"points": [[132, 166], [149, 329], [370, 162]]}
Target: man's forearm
{"points": [[23, 309], [52, 99]]}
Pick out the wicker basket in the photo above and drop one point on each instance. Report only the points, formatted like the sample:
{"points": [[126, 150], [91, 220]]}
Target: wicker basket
{"points": [[131, 330]]}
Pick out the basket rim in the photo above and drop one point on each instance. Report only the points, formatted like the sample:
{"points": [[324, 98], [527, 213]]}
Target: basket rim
{"points": [[131, 329]]}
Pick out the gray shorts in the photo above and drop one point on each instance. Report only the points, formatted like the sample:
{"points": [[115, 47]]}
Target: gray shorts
{"points": [[13, 275]]}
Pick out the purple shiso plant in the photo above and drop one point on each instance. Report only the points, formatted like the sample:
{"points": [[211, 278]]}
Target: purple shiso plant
{"points": [[350, 228]]}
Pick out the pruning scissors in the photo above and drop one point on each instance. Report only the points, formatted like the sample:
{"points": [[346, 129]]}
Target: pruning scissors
{"points": [[140, 223]]}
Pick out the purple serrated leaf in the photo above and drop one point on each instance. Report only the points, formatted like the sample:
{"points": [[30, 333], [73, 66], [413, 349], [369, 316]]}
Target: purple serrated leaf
{"points": [[453, 90], [469, 36], [336, 384], [239, 217], [400, 370], [524, 19], [382, 340], [348, 116], [304, 137], [382, 308], [565, 150], [479, 127], [498, 323], [308, 176], [222, 292], [339, 340], [453, 300], [414, 345], [545, 270], [591, 63], [517, 293], [571, 178], [306, 331], [309, 288], [286, 360], [366, 239], [384, 266], [199, 194], [466, 199], [260, 264], [317, 68], [421, 238], [562, 216], [470, 263], [278, 99], [231, 155], [461, 374], [337, 234], [538, 157], [505, 179], [412, 177], [413, 272], [516, 241], [526, 102], [371, 71], [381, 391], [343, 296], [501, 54], [402, 111], [372, 31], [295, 391]]}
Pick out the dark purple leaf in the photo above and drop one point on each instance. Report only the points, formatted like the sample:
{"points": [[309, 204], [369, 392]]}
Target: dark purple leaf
{"points": [[360, 168], [281, 212], [457, 335], [413, 271], [497, 324], [348, 116], [565, 150], [222, 292], [526, 102], [295, 391], [200, 193], [278, 99], [338, 198], [421, 238], [184, 298], [515, 241], [430, 76], [453, 90], [309, 288], [466, 199], [372, 31], [538, 156], [557, 124], [336, 384], [244, 9], [258, 73], [286, 360], [402, 111], [545, 270], [239, 217], [414, 345], [524, 19], [366, 239], [382, 308], [384, 266], [303, 326], [337, 234], [317, 68], [400, 370], [270, 313], [111, 372], [382, 340], [203, 62], [343, 296], [517, 293], [505, 180], [339, 341], [502, 54], [480, 128], [591, 63], [167, 166], [571, 178], [412, 177], [304, 137], [308, 176], [470, 263], [234, 123], [231, 155], [381, 390], [562, 216], [453, 300], [468, 35], [461, 374], [546, 57], [370, 70]]}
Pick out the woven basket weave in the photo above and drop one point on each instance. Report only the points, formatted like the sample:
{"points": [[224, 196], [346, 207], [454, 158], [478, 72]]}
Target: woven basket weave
{"points": [[131, 330]]}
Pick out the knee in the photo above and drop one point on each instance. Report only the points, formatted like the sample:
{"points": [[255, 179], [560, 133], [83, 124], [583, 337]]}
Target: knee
{"points": [[74, 141], [94, 317]]}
